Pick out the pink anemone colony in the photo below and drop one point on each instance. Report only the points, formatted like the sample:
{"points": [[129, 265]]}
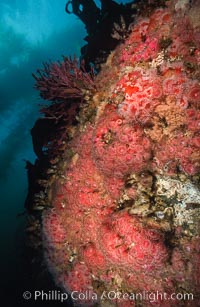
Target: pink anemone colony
{"points": [[111, 227]]}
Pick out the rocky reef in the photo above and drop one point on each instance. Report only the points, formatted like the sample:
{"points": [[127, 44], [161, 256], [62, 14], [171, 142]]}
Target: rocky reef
{"points": [[120, 202]]}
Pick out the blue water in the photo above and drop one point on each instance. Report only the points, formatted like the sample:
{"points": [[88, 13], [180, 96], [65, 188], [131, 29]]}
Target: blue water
{"points": [[31, 32]]}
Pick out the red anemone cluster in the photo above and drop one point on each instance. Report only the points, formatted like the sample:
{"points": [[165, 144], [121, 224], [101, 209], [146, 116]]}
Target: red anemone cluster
{"points": [[147, 120]]}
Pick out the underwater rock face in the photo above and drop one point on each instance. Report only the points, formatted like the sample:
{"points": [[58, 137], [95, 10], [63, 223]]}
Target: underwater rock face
{"points": [[125, 201]]}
